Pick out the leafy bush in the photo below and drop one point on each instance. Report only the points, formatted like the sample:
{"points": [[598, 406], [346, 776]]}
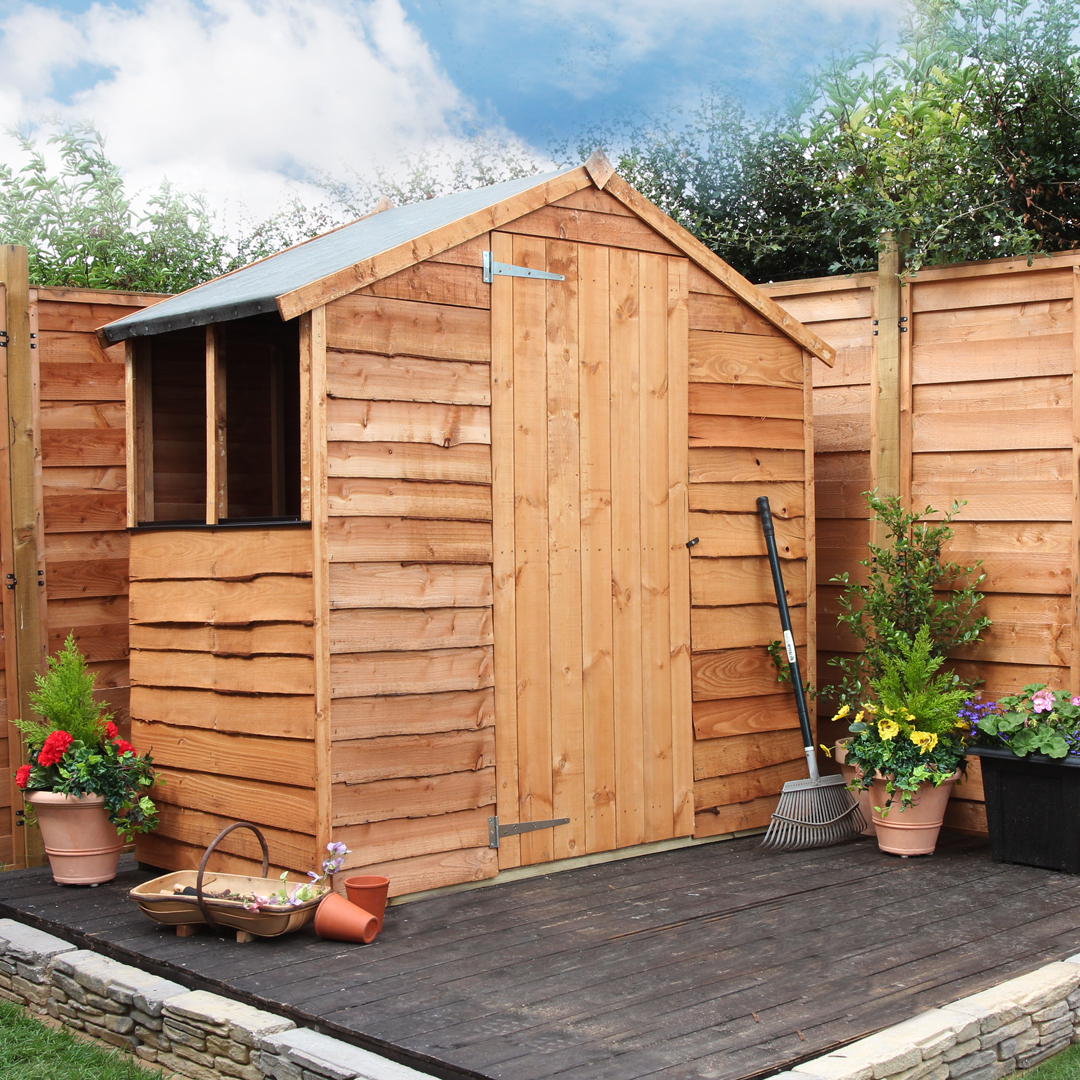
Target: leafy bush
{"points": [[909, 588], [964, 138]]}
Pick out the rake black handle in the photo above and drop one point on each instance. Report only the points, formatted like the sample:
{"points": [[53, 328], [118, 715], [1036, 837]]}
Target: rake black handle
{"points": [[765, 514]]}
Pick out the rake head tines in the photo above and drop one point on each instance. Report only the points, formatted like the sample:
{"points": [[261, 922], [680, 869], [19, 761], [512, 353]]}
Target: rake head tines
{"points": [[813, 813]]}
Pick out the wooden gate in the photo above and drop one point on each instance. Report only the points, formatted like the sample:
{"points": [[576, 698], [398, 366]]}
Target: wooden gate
{"points": [[592, 594]]}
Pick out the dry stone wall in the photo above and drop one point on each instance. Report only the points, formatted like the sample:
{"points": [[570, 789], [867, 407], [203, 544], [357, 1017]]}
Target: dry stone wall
{"points": [[191, 1032], [983, 1037]]}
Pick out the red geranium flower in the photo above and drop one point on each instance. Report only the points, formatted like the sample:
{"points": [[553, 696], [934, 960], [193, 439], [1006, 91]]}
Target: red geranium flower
{"points": [[123, 746], [111, 730], [22, 776], [54, 748]]}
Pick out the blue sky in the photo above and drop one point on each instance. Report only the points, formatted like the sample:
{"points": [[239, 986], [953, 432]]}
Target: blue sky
{"points": [[249, 99], [549, 68]]}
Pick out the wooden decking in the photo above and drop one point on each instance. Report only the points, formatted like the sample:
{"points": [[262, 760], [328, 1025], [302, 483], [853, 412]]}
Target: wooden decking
{"points": [[719, 961]]}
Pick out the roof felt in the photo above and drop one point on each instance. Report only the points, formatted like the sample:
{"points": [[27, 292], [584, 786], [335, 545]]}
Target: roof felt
{"points": [[254, 289]]}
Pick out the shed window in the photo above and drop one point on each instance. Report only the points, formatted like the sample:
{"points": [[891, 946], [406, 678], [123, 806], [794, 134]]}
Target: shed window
{"points": [[216, 415]]}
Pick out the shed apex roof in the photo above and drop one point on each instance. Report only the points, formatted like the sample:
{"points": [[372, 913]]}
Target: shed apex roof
{"points": [[255, 288], [339, 262]]}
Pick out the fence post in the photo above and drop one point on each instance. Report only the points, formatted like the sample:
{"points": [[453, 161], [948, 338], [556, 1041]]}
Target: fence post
{"points": [[24, 596], [1074, 674], [885, 465]]}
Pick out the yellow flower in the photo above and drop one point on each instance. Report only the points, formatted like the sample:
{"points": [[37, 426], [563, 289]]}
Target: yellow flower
{"points": [[858, 717], [924, 740], [888, 729], [842, 712]]}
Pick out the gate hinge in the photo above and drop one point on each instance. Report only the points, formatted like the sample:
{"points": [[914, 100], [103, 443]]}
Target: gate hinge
{"points": [[493, 268], [496, 831]]}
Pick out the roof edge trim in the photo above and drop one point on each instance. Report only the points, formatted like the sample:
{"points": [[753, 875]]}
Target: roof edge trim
{"points": [[342, 282], [713, 264], [114, 333]]}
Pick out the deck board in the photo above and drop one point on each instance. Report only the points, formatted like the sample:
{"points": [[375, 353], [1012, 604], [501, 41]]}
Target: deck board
{"points": [[723, 961]]}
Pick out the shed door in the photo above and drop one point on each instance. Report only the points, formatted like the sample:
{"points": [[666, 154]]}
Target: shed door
{"points": [[592, 589]]}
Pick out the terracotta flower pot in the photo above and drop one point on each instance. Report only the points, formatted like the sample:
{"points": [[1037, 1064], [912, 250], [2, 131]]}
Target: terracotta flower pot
{"points": [[368, 892], [911, 830], [850, 773], [338, 920], [82, 844]]}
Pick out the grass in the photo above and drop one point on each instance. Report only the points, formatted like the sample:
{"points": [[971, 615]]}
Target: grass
{"points": [[31, 1050]]}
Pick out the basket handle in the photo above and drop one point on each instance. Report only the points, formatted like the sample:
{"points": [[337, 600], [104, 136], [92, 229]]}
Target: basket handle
{"points": [[203, 907]]}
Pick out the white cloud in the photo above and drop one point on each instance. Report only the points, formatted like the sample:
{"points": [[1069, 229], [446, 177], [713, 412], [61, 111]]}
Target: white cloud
{"points": [[233, 96]]}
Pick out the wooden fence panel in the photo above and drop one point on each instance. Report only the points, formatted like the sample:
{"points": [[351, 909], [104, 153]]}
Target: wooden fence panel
{"points": [[988, 359]]}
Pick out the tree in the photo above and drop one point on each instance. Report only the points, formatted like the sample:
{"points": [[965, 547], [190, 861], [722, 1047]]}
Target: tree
{"points": [[80, 228], [966, 138]]}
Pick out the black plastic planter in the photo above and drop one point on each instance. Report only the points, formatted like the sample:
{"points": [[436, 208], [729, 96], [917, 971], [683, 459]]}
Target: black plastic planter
{"points": [[1032, 808]]}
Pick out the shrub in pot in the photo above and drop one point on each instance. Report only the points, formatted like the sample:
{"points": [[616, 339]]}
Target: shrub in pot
{"points": [[909, 745], [84, 785]]}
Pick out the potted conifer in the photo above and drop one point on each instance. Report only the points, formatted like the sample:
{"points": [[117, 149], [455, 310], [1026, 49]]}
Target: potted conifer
{"points": [[83, 785]]}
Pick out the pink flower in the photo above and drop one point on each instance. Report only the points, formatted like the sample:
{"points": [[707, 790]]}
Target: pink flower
{"points": [[111, 730], [1043, 700], [1074, 700], [22, 776], [54, 748]]}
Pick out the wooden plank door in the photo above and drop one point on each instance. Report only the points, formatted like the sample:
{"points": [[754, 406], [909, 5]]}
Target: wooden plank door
{"points": [[591, 569]]}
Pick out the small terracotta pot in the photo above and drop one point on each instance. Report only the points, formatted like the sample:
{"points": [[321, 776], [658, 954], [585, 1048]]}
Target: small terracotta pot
{"points": [[368, 892], [911, 830], [338, 920], [82, 844], [849, 773]]}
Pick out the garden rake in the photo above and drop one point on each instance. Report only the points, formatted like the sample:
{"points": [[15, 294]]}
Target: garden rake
{"points": [[819, 811]]}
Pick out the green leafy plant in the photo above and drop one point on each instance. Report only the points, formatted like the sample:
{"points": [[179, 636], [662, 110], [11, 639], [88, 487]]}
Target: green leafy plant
{"points": [[75, 749], [909, 587], [909, 728], [1038, 720]]}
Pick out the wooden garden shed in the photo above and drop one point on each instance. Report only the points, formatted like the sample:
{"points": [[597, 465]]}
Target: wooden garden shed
{"points": [[442, 524]]}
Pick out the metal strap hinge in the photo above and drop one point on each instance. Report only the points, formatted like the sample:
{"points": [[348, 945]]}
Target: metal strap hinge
{"points": [[493, 268], [495, 830]]}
